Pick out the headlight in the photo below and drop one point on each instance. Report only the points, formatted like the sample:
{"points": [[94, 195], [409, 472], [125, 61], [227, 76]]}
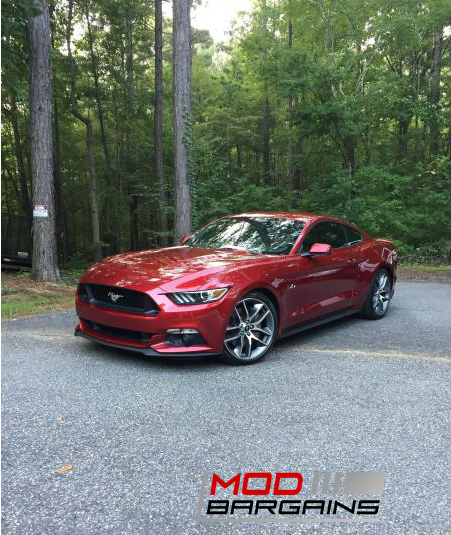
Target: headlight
{"points": [[198, 298]]}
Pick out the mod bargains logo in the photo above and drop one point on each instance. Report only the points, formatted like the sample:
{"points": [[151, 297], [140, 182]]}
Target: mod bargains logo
{"points": [[232, 499]]}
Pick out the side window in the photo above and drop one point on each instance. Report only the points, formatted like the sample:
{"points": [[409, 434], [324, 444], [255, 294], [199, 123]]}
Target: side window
{"points": [[352, 236], [310, 239], [333, 234], [325, 232]]}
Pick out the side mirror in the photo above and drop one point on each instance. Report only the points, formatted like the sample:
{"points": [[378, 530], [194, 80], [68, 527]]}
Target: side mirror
{"points": [[184, 238], [318, 249]]}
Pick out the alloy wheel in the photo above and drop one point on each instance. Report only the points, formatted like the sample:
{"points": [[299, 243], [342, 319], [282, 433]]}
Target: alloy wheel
{"points": [[381, 294], [250, 330]]}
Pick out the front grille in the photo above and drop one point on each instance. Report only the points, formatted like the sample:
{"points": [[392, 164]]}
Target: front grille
{"points": [[115, 332], [116, 298]]}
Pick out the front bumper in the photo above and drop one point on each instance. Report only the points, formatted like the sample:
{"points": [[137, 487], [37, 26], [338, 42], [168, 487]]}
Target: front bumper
{"points": [[147, 351], [208, 319]]}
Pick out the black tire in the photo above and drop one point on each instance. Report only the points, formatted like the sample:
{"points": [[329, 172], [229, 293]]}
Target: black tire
{"points": [[378, 299], [256, 305]]}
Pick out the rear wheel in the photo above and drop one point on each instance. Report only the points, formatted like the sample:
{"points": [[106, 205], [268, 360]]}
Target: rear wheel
{"points": [[251, 330], [378, 299]]}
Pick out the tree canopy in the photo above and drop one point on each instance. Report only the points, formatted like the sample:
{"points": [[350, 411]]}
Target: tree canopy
{"points": [[338, 107]]}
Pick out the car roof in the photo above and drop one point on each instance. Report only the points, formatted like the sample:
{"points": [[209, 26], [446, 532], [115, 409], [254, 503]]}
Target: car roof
{"points": [[304, 216]]}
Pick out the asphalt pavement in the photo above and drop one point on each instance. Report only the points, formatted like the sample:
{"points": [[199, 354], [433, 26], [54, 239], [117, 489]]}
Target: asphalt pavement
{"points": [[356, 395]]}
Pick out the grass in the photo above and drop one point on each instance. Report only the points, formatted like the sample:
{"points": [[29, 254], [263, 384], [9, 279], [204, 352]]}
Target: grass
{"points": [[22, 296], [426, 268]]}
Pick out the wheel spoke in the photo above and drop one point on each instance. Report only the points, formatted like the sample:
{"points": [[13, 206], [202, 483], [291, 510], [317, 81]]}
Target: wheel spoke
{"points": [[253, 337], [232, 338], [262, 318], [382, 282], [264, 331], [232, 327], [241, 346], [238, 314], [376, 300], [249, 347], [245, 309], [257, 309]]}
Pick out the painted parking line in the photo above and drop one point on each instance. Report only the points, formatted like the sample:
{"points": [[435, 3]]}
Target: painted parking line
{"points": [[379, 353]]}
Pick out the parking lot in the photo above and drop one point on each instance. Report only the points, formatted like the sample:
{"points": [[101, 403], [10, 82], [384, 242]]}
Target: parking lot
{"points": [[355, 395]]}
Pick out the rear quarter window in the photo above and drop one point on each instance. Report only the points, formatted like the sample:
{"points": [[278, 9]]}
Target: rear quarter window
{"points": [[352, 236]]}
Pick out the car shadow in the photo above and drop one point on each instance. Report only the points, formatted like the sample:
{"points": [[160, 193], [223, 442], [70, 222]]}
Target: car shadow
{"points": [[131, 358], [314, 333]]}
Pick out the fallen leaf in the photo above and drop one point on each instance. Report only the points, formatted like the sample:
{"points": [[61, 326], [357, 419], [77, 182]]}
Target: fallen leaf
{"points": [[65, 468]]}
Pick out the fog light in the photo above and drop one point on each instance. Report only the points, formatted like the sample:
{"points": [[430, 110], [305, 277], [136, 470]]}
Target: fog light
{"points": [[184, 337]]}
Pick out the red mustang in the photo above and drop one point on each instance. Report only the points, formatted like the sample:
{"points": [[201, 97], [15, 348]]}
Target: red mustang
{"points": [[236, 285]]}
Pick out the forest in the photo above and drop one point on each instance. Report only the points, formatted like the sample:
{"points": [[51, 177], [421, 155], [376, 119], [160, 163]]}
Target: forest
{"points": [[336, 107]]}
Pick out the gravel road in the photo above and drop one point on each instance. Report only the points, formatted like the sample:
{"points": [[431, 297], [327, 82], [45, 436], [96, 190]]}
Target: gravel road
{"points": [[355, 395]]}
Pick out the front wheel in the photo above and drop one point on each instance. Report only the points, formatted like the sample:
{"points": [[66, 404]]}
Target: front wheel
{"points": [[378, 298], [251, 330]]}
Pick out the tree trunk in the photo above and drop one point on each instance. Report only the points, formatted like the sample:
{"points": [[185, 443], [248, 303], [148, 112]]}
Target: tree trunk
{"points": [[61, 220], [158, 119], [434, 97], [132, 193], [133, 210], [298, 177], [93, 192], [349, 150], [266, 140], [403, 128], [266, 118], [24, 197], [45, 258], [110, 178], [93, 196], [182, 115], [292, 179], [13, 182], [239, 157]]}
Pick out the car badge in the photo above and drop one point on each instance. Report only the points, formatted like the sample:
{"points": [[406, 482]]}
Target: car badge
{"points": [[114, 297]]}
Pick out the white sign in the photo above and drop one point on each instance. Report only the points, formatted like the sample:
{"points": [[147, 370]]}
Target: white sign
{"points": [[40, 210]]}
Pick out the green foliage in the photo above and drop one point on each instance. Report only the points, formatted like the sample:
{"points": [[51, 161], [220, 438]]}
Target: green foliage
{"points": [[358, 76]]}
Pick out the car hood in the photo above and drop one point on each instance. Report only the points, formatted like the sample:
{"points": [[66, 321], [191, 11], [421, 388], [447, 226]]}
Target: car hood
{"points": [[189, 267]]}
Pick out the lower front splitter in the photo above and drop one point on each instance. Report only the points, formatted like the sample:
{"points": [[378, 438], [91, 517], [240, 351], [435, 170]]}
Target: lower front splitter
{"points": [[147, 351]]}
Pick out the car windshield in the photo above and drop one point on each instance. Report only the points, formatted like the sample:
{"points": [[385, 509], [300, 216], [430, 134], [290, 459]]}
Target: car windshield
{"points": [[258, 235]]}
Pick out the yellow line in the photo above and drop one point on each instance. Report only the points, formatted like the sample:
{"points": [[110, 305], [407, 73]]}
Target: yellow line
{"points": [[381, 353]]}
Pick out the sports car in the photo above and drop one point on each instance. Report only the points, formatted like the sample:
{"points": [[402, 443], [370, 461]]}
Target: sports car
{"points": [[237, 285]]}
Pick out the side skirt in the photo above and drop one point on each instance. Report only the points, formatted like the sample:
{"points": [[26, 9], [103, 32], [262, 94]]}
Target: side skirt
{"points": [[320, 321]]}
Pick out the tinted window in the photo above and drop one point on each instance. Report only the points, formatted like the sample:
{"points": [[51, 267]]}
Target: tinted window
{"points": [[261, 235], [325, 232], [352, 236]]}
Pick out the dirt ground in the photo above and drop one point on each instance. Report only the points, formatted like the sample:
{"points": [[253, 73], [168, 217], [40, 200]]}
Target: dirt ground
{"points": [[423, 275], [22, 296]]}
